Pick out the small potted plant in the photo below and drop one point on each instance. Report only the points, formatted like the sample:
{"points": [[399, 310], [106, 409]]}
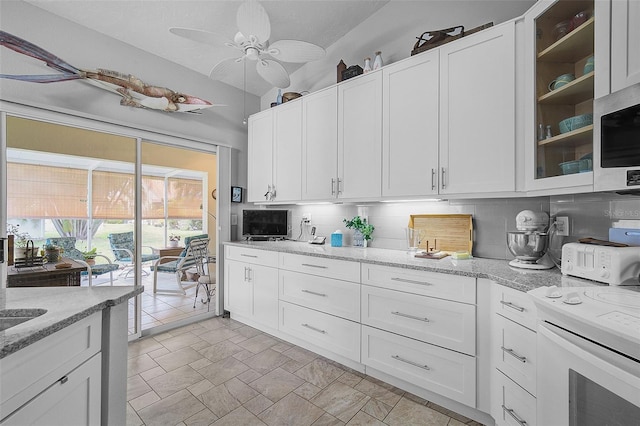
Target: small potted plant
{"points": [[90, 256], [20, 240], [363, 230], [174, 240], [52, 253]]}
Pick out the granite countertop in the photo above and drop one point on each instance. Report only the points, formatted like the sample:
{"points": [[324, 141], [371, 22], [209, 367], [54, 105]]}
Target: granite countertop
{"points": [[64, 306], [495, 270]]}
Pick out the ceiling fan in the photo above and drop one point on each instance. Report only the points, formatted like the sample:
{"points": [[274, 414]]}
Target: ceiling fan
{"points": [[252, 40]]}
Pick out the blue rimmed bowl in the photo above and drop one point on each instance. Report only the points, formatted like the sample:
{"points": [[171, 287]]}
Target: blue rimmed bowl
{"points": [[574, 123]]}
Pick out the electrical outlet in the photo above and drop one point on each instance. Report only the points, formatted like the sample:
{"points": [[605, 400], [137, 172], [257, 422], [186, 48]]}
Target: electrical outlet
{"points": [[306, 217], [562, 224], [234, 220]]}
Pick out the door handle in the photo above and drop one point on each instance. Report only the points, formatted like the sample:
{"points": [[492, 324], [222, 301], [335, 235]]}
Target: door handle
{"points": [[404, 280], [433, 179], [512, 306], [399, 358], [522, 359], [400, 314], [443, 181]]}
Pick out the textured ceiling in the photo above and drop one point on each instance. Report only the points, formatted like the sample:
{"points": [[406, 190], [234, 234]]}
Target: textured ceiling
{"points": [[145, 24]]}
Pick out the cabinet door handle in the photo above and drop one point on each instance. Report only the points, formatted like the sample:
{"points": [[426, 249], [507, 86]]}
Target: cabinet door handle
{"points": [[433, 179], [404, 280], [514, 415], [314, 266], [249, 255], [443, 173], [245, 273], [399, 358], [333, 186], [63, 380], [513, 354], [314, 293], [314, 329], [512, 306], [400, 314], [338, 186]]}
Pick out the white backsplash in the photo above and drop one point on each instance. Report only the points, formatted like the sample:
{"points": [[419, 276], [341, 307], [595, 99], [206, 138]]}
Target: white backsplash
{"points": [[590, 215]]}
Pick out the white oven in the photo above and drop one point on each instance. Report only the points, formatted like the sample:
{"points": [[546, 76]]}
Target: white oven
{"points": [[588, 356]]}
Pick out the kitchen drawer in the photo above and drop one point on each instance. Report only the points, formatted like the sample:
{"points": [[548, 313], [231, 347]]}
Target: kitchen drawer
{"points": [[331, 333], [335, 297], [330, 268], [515, 353], [445, 286], [515, 305], [439, 370], [513, 405], [28, 372], [441, 322], [255, 256]]}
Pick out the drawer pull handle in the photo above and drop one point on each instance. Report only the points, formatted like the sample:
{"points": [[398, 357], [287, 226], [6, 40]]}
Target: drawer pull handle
{"points": [[249, 255], [314, 329], [400, 314], [512, 306], [399, 358], [404, 280], [513, 354], [514, 415], [314, 266], [314, 293]]}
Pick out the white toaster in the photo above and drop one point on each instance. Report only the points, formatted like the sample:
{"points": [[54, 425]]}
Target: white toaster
{"points": [[609, 265]]}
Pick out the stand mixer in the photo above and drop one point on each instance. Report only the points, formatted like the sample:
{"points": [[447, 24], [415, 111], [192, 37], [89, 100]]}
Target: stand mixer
{"points": [[529, 243]]}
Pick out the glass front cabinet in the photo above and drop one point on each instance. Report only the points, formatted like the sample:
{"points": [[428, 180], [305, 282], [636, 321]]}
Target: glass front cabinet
{"points": [[559, 112]]}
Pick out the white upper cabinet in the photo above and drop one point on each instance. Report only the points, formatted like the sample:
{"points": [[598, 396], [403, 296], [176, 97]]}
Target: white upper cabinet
{"points": [[625, 35], [410, 114], [477, 120], [260, 146], [287, 134], [275, 154], [360, 137], [320, 144], [553, 163]]}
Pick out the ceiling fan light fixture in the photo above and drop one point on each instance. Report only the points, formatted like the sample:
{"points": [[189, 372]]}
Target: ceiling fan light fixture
{"points": [[252, 53]]}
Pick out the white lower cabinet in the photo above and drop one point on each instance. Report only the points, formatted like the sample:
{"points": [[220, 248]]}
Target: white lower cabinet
{"points": [[436, 369], [335, 297], [513, 405], [332, 333], [57, 380], [514, 355], [72, 400], [441, 322], [251, 285]]}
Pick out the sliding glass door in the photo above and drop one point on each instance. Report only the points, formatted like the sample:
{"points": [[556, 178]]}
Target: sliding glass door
{"points": [[108, 199]]}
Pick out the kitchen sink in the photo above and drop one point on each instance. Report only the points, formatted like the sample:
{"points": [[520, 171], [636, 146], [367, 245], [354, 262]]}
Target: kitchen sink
{"points": [[12, 317]]}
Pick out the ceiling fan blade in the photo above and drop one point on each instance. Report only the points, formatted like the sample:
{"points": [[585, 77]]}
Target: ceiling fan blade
{"points": [[274, 73], [224, 68], [296, 51], [203, 36], [253, 20]]}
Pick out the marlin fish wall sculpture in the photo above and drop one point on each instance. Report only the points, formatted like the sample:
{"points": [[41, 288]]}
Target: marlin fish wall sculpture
{"points": [[134, 91]]}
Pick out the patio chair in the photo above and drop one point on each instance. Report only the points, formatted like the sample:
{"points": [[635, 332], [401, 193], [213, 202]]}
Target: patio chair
{"points": [[177, 265], [206, 279], [68, 245], [122, 246]]}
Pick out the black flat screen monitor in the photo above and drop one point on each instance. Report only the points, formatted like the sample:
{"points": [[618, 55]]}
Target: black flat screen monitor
{"points": [[265, 223]]}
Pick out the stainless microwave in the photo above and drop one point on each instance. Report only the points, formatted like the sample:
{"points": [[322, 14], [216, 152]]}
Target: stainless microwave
{"points": [[616, 153]]}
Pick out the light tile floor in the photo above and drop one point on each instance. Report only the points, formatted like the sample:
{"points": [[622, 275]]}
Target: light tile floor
{"points": [[221, 372], [159, 308]]}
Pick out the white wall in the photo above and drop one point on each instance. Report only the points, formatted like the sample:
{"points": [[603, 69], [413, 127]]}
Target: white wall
{"points": [[393, 30]]}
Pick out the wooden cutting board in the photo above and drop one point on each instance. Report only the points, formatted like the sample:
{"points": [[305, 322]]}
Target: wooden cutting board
{"points": [[446, 232]]}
